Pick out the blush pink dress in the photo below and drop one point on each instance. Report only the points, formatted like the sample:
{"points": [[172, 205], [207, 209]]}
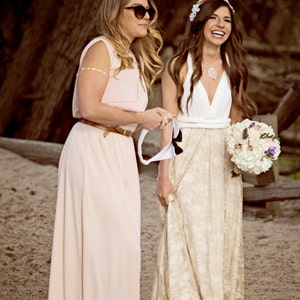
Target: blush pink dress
{"points": [[96, 242]]}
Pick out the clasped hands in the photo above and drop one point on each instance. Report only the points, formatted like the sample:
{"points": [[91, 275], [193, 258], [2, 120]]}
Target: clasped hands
{"points": [[166, 118], [156, 117]]}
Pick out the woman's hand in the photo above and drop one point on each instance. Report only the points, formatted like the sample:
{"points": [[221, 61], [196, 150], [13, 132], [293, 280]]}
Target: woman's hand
{"points": [[165, 191], [156, 117]]}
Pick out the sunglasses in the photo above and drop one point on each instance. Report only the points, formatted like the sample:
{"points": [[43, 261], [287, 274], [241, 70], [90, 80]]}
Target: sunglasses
{"points": [[140, 11]]}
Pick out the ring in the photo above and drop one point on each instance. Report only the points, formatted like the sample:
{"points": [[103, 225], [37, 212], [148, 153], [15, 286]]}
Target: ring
{"points": [[163, 122], [171, 197]]}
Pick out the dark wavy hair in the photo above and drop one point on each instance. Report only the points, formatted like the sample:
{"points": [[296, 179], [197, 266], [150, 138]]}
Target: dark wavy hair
{"points": [[232, 55]]}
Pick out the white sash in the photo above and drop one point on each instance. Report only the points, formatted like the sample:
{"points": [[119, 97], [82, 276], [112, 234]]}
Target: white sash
{"points": [[166, 153]]}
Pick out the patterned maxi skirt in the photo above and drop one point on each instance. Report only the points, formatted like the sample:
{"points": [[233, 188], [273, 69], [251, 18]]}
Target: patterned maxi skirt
{"points": [[200, 254]]}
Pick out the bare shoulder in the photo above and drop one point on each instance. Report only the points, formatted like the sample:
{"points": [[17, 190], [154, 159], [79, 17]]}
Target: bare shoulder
{"points": [[98, 49], [97, 56]]}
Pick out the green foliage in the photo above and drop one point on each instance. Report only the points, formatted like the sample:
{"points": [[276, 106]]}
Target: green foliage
{"points": [[289, 165], [295, 175]]}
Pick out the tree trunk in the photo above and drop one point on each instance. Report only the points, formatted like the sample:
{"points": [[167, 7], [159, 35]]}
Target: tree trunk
{"points": [[173, 17], [52, 59], [55, 77], [288, 109], [25, 61]]}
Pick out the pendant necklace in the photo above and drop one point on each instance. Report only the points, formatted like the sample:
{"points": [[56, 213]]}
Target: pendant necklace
{"points": [[212, 72]]}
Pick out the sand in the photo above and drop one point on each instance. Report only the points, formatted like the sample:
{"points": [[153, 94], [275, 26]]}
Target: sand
{"points": [[27, 201]]}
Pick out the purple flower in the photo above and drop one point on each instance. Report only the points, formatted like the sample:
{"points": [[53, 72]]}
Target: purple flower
{"points": [[271, 151], [245, 133], [252, 125]]}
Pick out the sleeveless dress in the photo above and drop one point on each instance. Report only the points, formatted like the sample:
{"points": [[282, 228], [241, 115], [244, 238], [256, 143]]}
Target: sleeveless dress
{"points": [[96, 241], [200, 254]]}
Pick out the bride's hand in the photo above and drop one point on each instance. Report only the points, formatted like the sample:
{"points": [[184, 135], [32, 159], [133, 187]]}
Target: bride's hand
{"points": [[165, 191]]}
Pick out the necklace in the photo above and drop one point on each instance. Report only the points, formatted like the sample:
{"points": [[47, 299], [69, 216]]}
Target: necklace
{"points": [[212, 72]]}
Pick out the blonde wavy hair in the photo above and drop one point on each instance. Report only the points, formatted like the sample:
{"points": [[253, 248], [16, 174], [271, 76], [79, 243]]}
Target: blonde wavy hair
{"points": [[146, 49]]}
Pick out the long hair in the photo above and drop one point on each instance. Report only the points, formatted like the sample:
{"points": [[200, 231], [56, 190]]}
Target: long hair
{"points": [[232, 55], [146, 49]]}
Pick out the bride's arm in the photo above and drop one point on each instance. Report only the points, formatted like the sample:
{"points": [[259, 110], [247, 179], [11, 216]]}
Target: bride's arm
{"points": [[169, 103], [235, 115]]}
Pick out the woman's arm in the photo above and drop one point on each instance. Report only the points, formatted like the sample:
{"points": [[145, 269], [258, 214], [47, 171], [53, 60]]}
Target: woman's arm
{"points": [[169, 99], [91, 87], [235, 115]]}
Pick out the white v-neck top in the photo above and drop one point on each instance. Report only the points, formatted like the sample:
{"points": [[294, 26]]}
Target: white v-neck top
{"points": [[202, 113]]}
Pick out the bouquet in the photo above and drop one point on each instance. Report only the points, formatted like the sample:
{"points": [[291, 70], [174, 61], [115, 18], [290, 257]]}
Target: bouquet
{"points": [[253, 146]]}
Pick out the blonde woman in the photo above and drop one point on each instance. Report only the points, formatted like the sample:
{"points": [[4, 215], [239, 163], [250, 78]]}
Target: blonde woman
{"points": [[96, 243]]}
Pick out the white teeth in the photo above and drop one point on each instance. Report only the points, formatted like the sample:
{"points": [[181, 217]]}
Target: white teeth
{"points": [[218, 33]]}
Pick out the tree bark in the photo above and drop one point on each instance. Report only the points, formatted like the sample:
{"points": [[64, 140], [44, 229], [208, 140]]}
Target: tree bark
{"points": [[52, 58], [24, 62], [173, 17], [288, 109], [263, 49], [55, 77]]}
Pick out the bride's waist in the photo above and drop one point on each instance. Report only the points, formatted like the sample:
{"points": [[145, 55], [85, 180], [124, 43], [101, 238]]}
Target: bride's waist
{"points": [[203, 122]]}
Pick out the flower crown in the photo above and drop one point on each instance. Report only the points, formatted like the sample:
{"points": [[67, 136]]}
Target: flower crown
{"points": [[196, 9]]}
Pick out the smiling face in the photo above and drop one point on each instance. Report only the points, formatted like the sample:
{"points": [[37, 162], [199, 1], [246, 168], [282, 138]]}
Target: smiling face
{"points": [[218, 28], [131, 26]]}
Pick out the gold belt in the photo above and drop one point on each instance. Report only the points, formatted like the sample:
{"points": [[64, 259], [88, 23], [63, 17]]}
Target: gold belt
{"points": [[107, 130]]}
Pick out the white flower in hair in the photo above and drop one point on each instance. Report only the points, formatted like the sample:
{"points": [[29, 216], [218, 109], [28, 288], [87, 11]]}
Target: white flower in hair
{"points": [[232, 9], [195, 10]]}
